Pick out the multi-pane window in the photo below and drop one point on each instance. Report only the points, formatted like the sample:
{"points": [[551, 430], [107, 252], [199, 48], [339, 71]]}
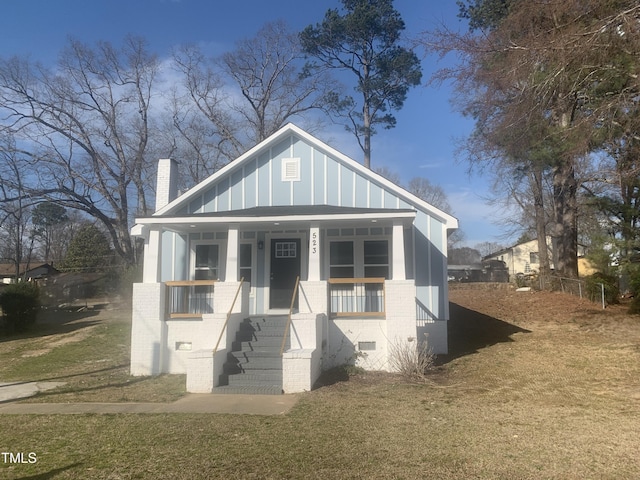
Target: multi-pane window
{"points": [[206, 262], [341, 260], [352, 259], [286, 250], [376, 258], [245, 261]]}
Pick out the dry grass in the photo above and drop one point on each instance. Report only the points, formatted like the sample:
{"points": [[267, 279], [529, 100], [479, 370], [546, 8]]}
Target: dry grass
{"points": [[89, 351], [539, 386]]}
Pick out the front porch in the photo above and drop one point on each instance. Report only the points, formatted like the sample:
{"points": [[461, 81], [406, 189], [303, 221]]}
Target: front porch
{"points": [[196, 331]]}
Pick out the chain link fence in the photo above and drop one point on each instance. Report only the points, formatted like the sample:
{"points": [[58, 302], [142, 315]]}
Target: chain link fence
{"points": [[593, 291]]}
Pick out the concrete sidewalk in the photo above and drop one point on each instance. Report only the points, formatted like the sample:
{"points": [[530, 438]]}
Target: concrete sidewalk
{"points": [[191, 403], [17, 390]]}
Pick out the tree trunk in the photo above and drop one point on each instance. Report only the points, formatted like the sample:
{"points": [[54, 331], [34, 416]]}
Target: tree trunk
{"points": [[541, 220], [566, 219], [366, 127]]}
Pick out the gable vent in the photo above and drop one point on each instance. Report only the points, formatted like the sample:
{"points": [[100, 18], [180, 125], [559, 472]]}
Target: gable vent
{"points": [[291, 169]]}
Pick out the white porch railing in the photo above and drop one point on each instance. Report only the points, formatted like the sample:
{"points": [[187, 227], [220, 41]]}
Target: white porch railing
{"points": [[350, 297], [189, 298]]}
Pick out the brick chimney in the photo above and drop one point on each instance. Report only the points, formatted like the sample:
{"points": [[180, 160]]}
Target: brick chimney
{"points": [[167, 186]]}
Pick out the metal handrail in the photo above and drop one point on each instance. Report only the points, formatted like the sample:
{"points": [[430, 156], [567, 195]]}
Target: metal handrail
{"points": [[286, 329], [224, 327]]}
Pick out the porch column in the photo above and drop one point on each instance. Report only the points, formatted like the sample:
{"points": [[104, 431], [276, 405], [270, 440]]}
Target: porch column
{"points": [[231, 270], [152, 256], [398, 271], [314, 254]]}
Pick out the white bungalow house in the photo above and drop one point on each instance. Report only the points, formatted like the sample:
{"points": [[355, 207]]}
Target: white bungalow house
{"points": [[291, 229]]}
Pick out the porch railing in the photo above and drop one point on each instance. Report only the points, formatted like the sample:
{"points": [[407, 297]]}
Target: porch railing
{"points": [[351, 297], [189, 298]]}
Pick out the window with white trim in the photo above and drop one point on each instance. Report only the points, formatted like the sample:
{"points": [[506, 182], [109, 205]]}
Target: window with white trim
{"points": [[359, 258], [206, 265], [376, 258], [341, 259], [246, 263]]}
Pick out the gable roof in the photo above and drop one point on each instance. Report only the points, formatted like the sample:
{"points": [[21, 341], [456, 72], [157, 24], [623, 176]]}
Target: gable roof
{"points": [[9, 269], [176, 205], [533, 242]]}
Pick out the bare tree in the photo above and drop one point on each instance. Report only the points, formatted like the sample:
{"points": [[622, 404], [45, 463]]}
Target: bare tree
{"points": [[204, 128], [487, 248], [391, 175], [228, 104], [433, 194], [87, 123], [16, 242], [268, 70], [425, 190]]}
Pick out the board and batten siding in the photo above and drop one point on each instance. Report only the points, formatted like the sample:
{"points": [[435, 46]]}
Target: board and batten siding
{"points": [[430, 243], [324, 180]]}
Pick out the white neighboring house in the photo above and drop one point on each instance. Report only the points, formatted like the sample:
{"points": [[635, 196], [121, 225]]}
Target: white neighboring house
{"points": [[523, 258], [370, 257]]}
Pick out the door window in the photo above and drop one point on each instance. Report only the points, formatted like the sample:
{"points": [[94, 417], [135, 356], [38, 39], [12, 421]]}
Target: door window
{"points": [[286, 250]]}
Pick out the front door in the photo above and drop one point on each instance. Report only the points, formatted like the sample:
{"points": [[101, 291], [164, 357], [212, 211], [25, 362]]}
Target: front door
{"points": [[285, 267]]}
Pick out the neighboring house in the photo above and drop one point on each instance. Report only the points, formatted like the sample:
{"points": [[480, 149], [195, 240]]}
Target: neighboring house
{"points": [[26, 271], [371, 259], [523, 258]]}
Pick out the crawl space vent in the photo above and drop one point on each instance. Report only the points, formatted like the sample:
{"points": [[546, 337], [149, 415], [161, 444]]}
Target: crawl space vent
{"points": [[366, 346]]}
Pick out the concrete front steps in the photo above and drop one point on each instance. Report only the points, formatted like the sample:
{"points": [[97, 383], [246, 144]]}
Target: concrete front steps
{"points": [[254, 365]]}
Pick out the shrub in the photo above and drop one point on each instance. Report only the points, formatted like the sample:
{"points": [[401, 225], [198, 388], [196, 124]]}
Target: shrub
{"points": [[594, 289], [20, 303], [410, 360]]}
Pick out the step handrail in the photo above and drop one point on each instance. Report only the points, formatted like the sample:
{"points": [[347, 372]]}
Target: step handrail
{"points": [[224, 327], [286, 329]]}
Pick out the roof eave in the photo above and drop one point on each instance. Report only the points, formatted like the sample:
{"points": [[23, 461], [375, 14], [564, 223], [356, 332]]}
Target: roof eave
{"points": [[181, 223]]}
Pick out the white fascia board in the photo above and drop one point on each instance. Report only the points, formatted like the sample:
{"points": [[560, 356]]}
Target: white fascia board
{"points": [[204, 220]]}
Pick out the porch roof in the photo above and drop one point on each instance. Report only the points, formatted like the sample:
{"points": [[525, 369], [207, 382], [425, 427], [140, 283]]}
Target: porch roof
{"points": [[266, 216]]}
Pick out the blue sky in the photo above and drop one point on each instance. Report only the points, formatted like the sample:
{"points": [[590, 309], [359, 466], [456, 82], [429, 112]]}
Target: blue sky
{"points": [[422, 144]]}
